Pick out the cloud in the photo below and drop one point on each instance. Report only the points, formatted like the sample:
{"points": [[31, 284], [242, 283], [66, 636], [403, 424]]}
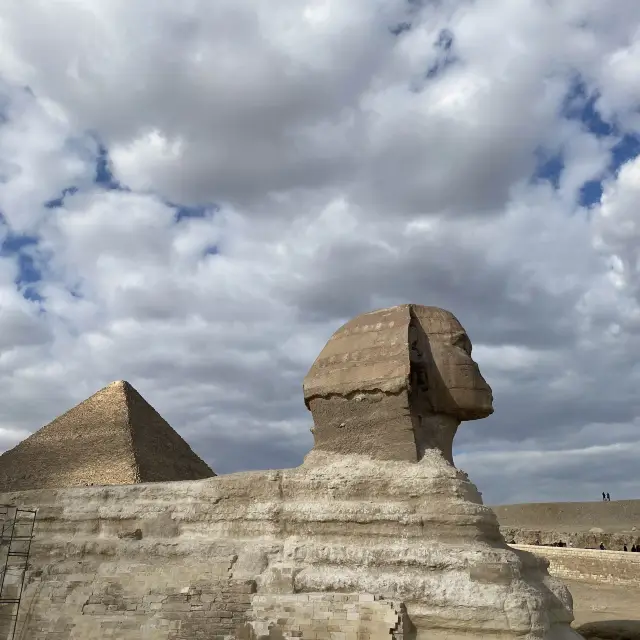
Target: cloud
{"points": [[194, 197]]}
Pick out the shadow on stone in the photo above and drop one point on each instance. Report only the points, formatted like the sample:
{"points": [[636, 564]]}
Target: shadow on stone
{"points": [[611, 630]]}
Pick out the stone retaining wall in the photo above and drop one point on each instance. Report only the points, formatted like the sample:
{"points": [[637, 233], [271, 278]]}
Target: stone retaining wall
{"points": [[590, 565], [613, 541], [74, 602], [67, 605], [325, 616]]}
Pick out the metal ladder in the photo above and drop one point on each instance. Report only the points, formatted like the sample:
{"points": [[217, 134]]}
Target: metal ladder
{"points": [[16, 534]]}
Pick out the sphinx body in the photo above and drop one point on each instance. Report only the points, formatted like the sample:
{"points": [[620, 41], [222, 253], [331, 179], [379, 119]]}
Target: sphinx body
{"points": [[410, 533]]}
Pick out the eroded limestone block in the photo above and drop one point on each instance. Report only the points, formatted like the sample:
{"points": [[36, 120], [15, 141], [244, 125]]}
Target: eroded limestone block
{"points": [[344, 616]]}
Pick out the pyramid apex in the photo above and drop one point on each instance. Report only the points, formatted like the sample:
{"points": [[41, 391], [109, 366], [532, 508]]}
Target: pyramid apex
{"points": [[119, 385]]}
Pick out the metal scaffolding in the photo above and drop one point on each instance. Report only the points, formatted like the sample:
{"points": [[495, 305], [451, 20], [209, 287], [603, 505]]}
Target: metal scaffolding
{"points": [[16, 534]]}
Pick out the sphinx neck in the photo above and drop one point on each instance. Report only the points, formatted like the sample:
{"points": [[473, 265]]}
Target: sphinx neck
{"points": [[435, 431]]}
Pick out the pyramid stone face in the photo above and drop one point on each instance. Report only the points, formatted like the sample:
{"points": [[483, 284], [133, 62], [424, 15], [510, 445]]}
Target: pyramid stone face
{"points": [[161, 454], [113, 437]]}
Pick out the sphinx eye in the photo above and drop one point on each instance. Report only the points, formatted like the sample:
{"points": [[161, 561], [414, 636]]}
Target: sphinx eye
{"points": [[462, 341]]}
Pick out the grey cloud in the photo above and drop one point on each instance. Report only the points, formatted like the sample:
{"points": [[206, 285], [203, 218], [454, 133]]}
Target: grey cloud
{"points": [[498, 304], [560, 475], [270, 452]]}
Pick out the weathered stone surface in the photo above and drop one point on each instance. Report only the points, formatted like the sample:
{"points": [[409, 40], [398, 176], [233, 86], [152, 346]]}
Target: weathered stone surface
{"points": [[113, 437], [339, 616], [573, 539], [581, 525]]}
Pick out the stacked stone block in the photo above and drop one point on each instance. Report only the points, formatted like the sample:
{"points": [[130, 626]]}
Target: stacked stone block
{"points": [[590, 565], [325, 616], [67, 606]]}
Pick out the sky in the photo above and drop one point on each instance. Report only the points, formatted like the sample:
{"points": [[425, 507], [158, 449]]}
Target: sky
{"points": [[195, 195]]}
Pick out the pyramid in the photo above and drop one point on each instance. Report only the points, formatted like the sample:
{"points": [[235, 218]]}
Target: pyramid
{"points": [[113, 437]]}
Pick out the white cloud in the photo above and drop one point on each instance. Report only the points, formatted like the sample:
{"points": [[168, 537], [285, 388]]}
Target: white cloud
{"points": [[617, 237], [347, 177]]}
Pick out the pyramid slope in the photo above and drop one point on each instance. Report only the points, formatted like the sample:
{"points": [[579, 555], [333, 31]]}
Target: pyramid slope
{"points": [[101, 441], [161, 454]]}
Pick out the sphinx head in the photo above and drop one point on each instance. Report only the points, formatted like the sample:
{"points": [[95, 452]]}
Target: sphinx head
{"points": [[395, 382], [440, 348]]}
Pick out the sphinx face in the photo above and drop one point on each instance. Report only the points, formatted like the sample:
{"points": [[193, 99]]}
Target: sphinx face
{"points": [[455, 385]]}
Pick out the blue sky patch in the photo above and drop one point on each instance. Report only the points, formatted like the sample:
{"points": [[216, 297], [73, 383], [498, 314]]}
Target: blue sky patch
{"points": [[548, 167], [59, 201], [625, 150], [590, 193], [104, 176], [186, 212], [580, 104], [444, 45], [31, 294], [22, 248]]}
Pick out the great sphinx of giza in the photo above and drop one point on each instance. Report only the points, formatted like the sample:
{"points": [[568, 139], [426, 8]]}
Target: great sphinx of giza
{"points": [[375, 536], [387, 394], [394, 384]]}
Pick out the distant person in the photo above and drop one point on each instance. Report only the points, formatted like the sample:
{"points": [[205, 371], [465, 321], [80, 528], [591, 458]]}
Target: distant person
{"points": [[633, 548], [608, 498], [624, 548], [604, 496], [602, 546]]}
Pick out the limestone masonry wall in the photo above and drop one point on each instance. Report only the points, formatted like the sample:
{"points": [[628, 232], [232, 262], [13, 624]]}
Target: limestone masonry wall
{"points": [[575, 539], [118, 585], [337, 616], [76, 605], [113, 594], [590, 565]]}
